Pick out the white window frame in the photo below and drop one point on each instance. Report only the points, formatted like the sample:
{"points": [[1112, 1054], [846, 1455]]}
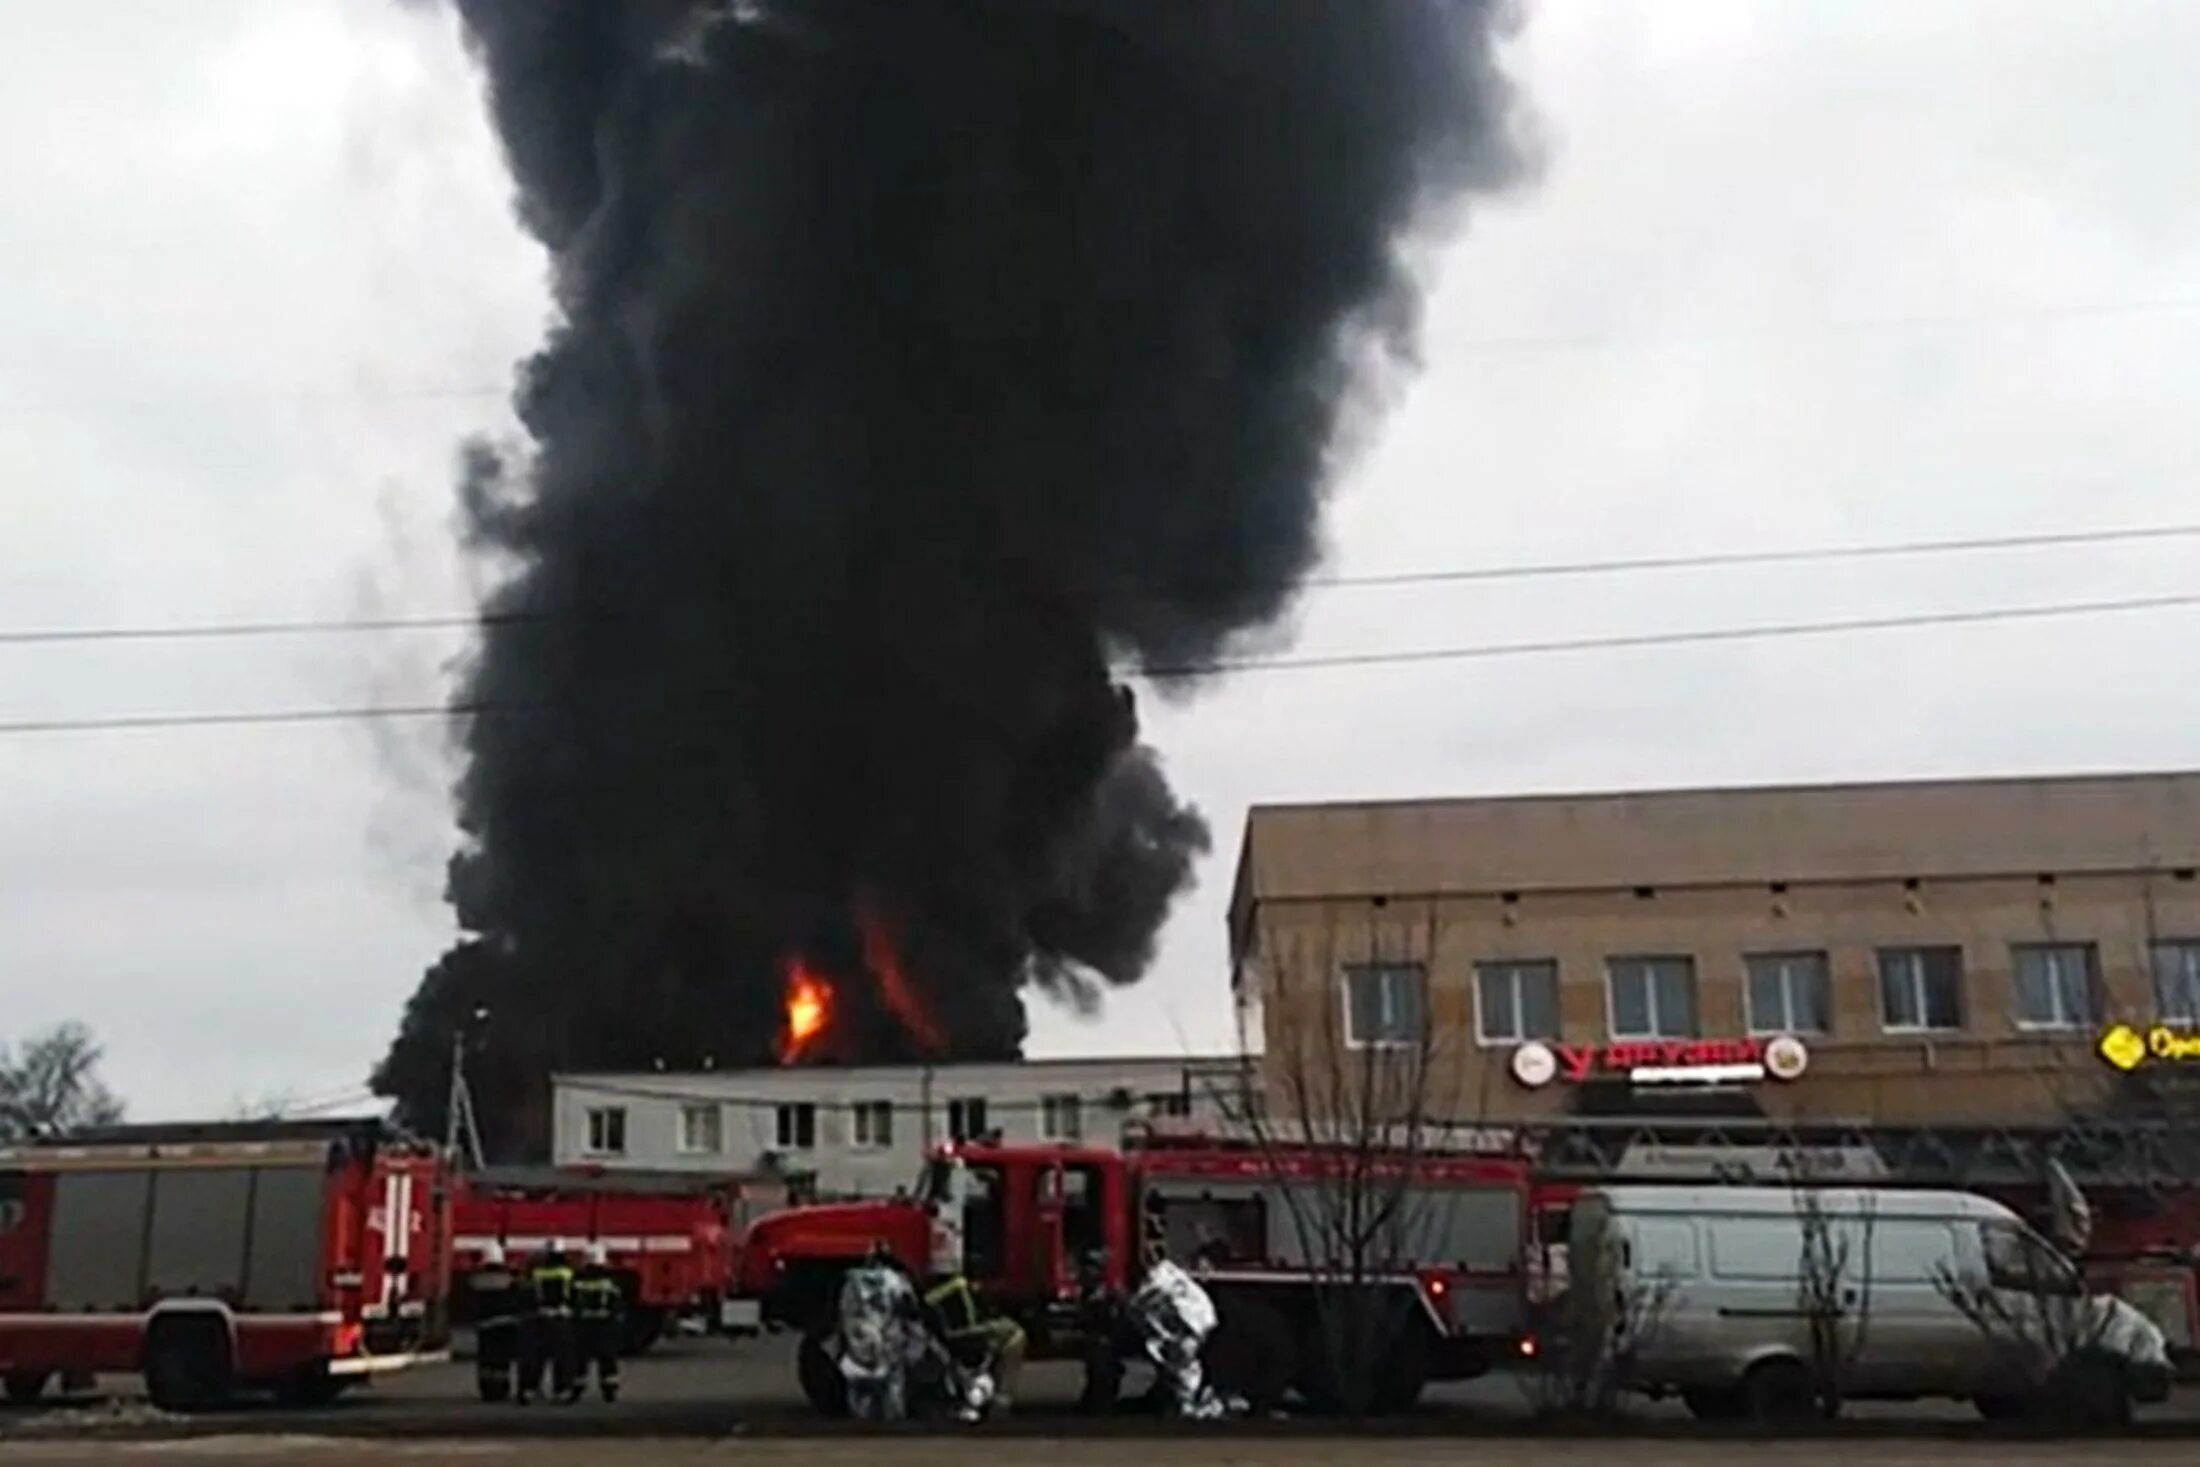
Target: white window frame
{"points": [[601, 1121], [1786, 958], [2187, 951], [702, 1115], [1052, 1110], [959, 1117], [1387, 1040], [2063, 1024], [1611, 997], [1515, 969], [871, 1125], [1916, 953], [787, 1125]]}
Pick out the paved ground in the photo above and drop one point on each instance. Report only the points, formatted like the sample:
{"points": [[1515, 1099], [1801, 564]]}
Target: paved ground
{"points": [[934, 1451], [707, 1400]]}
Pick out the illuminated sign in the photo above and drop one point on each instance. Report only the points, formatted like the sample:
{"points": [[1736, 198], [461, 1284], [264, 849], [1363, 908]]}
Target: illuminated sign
{"points": [[2127, 1048], [1662, 1061]]}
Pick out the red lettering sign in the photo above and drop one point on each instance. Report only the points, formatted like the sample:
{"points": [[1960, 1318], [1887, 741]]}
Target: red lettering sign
{"points": [[1581, 1062]]}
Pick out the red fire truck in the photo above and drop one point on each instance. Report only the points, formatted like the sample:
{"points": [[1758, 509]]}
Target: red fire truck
{"points": [[1023, 1221], [669, 1235], [293, 1256]]}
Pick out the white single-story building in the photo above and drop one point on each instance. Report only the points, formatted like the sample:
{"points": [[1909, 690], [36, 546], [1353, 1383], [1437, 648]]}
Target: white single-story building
{"points": [[864, 1130]]}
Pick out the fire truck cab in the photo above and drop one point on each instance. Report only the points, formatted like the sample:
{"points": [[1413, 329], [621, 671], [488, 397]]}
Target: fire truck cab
{"points": [[1042, 1230]]}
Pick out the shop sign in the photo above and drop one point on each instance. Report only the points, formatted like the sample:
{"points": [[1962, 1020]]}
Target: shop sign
{"points": [[1662, 1061], [2128, 1048]]}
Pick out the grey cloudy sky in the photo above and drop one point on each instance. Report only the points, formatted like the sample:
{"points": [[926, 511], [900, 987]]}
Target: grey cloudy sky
{"points": [[1795, 274]]}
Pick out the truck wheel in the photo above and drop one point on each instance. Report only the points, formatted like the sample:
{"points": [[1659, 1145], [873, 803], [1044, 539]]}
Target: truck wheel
{"points": [[2092, 1393], [1779, 1393], [643, 1328], [1251, 1355], [823, 1385], [1405, 1373], [187, 1365], [25, 1386]]}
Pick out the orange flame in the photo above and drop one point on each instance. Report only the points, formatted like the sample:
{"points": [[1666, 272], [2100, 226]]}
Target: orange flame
{"points": [[809, 1010], [901, 1000]]}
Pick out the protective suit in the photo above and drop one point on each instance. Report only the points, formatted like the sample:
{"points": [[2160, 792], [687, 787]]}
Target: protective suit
{"points": [[879, 1340], [1174, 1316]]}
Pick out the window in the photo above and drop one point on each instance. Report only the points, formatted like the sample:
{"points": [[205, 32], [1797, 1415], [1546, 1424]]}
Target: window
{"points": [[700, 1130], [966, 1118], [1653, 998], [871, 1123], [2020, 1261], [1386, 1004], [1788, 993], [1921, 988], [2055, 985], [1515, 1002], [607, 1131], [1169, 1103], [1061, 1118], [2177, 981], [797, 1126]]}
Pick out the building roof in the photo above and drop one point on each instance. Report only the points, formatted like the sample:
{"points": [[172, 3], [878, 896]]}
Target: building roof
{"points": [[1712, 837], [943, 1072]]}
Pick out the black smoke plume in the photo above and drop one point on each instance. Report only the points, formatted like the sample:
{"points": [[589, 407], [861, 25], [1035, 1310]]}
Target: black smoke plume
{"points": [[915, 363]]}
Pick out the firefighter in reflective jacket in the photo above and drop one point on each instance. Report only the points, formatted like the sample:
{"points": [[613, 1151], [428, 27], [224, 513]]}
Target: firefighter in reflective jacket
{"points": [[498, 1299], [548, 1336], [599, 1316], [988, 1352]]}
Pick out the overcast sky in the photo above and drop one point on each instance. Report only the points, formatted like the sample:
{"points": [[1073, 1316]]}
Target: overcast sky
{"points": [[1796, 274]]}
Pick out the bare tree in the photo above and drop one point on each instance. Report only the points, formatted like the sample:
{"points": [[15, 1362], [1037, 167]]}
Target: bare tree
{"points": [[1594, 1328], [50, 1086], [1833, 1280], [1352, 1100]]}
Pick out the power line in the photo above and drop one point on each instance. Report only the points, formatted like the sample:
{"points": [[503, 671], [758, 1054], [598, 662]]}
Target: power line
{"points": [[1622, 642], [451, 621]]}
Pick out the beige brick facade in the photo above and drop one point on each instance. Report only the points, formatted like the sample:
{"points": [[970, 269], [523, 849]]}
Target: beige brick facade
{"points": [[1714, 876]]}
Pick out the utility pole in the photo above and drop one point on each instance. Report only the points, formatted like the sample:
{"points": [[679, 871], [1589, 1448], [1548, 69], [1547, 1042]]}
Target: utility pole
{"points": [[459, 1122]]}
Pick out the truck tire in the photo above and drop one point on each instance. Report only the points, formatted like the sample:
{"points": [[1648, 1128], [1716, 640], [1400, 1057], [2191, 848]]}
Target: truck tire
{"points": [[1712, 1404], [643, 1328], [1779, 1393], [1251, 1355], [187, 1365], [25, 1386], [2092, 1393], [822, 1383]]}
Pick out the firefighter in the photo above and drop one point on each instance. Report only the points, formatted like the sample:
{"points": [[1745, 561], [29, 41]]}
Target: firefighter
{"points": [[549, 1334], [880, 1337], [987, 1352], [497, 1305], [599, 1317], [1174, 1317]]}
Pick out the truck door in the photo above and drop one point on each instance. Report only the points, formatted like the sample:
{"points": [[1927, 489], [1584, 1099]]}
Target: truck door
{"points": [[1045, 1260]]}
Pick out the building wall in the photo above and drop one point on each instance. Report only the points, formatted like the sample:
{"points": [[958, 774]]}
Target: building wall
{"points": [[748, 1105], [2116, 873]]}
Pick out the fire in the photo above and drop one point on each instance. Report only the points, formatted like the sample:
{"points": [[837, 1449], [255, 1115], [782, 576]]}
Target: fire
{"points": [[809, 1010]]}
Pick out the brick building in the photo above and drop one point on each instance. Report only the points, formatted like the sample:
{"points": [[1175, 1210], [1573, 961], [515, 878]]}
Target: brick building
{"points": [[1905, 953]]}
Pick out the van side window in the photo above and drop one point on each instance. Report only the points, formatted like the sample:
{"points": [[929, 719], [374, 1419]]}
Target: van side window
{"points": [[1665, 1248]]}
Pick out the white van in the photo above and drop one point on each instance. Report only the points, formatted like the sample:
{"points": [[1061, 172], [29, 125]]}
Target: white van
{"points": [[1740, 1299]]}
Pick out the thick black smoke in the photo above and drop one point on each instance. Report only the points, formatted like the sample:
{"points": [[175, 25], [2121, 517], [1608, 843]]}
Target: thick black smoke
{"points": [[915, 361]]}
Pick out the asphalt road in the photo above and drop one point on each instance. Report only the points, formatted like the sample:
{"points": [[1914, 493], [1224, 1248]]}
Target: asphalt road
{"points": [[706, 1392]]}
